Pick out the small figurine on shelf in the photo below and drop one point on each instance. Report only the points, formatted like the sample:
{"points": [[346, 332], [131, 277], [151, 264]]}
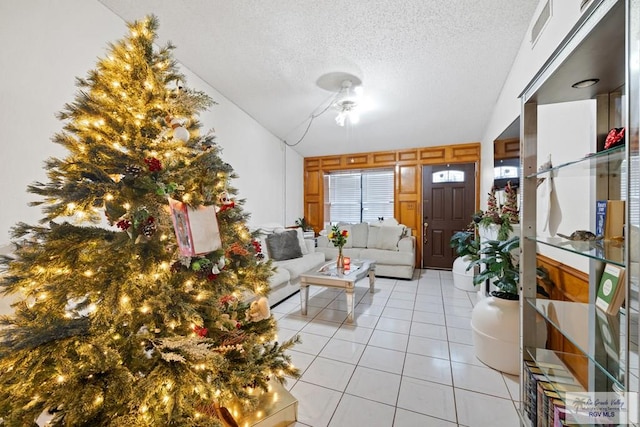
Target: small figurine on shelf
{"points": [[615, 137]]}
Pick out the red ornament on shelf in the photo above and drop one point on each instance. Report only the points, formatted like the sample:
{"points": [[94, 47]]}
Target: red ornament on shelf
{"points": [[615, 137]]}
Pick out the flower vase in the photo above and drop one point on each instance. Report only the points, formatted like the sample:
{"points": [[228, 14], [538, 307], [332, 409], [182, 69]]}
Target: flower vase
{"points": [[340, 261]]}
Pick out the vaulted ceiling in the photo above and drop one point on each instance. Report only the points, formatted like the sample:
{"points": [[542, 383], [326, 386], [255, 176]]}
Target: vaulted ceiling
{"points": [[431, 70]]}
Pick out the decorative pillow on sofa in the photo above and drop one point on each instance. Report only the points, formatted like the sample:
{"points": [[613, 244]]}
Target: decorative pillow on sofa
{"points": [[388, 237], [301, 242], [284, 245], [359, 235]]}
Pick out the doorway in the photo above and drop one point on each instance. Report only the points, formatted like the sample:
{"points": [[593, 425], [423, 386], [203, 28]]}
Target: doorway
{"points": [[448, 202]]}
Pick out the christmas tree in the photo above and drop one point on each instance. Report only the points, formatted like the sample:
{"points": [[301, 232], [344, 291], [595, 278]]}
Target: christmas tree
{"points": [[121, 322], [510, 207], [492, 214]]}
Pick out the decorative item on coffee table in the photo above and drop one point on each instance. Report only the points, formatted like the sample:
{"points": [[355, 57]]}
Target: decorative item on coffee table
{"points": [[339, 239]]}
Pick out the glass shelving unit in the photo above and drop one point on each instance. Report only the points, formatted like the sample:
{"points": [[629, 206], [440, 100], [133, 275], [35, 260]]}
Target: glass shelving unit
{"points": [[586, 349]]}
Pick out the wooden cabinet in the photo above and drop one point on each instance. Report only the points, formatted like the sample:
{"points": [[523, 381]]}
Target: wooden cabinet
{"points": [[587, 351]]}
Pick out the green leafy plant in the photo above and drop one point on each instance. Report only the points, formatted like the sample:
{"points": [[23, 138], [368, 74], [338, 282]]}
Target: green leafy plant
{"points": [[465, 244], [302, 223], [500, 266], [338, 237], [502, 221], [502, 216]]}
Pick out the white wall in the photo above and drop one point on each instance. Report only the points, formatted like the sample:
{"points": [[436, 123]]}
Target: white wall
{"points": [[45, 46], [528, 61], [567, 131], [552, 120]]}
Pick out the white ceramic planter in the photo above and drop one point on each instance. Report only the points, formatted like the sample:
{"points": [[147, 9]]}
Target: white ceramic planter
{"points": [[495, 326], [463, 279]]}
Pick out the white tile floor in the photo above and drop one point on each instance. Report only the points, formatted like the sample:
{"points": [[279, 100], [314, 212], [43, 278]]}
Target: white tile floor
{"points": [[406, 361]]}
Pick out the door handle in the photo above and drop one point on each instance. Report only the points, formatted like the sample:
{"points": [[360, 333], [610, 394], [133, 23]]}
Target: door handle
{"points": [[425, 226]]}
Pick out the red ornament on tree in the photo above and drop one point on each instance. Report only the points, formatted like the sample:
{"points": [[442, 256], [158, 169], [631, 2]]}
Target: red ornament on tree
{"points": [[124, 224], [200, 331], [153, 164]]}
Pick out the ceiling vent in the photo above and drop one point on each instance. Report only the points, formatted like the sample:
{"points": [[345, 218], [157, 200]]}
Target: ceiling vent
{"points": [[541, 22]]}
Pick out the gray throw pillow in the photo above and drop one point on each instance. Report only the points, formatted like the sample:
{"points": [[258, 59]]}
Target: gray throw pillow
{"points": [[282, 246]]}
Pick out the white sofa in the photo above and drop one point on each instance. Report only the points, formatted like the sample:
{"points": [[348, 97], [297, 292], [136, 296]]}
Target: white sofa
{"points": [[285, 281], [389, 244]]}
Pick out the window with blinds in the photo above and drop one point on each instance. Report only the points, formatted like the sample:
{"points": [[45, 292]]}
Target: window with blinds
{"points": [[359, 196]]}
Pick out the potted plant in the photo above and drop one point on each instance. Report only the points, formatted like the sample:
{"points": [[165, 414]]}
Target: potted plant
{"points": [[466, 246], [495, 320], [500, 267], [307, 229], [302, 223], [497, 222]]}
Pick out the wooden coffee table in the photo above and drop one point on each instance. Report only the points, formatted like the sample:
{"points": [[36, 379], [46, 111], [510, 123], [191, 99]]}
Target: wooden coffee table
{"points": [[327, 275]]}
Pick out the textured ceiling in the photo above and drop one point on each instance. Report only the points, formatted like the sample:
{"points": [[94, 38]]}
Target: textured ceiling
{"points": [[431, 70]]}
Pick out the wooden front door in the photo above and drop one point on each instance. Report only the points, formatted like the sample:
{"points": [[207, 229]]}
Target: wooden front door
{"points": [[448, 202]]}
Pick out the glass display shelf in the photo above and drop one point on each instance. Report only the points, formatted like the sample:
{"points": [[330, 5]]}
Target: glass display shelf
{"points": [[571, 319], [611, 251], [613, 157]]}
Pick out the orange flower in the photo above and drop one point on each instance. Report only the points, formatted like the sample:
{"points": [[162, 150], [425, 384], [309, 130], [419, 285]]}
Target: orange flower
{"points": [[338, 237]]}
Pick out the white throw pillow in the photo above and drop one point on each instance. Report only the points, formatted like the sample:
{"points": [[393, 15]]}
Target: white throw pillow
{"points": [[388, 237], [360, 234], [303, 244], [372, 238]]}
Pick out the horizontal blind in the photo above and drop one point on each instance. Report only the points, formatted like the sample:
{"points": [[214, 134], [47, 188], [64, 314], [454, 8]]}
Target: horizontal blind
{"points": [[377, 195], [359, 196], [344, 197]]}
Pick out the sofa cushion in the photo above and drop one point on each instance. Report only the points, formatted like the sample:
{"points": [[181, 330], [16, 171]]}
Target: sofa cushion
{"points": [[359, 235], [331, 253], [284, 245], [279, 276], [303, 245], [300, 265], [383, 256], [388, 237]]}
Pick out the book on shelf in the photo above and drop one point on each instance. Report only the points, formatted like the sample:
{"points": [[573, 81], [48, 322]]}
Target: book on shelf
{"points": [[545, 385], [601, 214], [614, 220], [611, 290]]}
